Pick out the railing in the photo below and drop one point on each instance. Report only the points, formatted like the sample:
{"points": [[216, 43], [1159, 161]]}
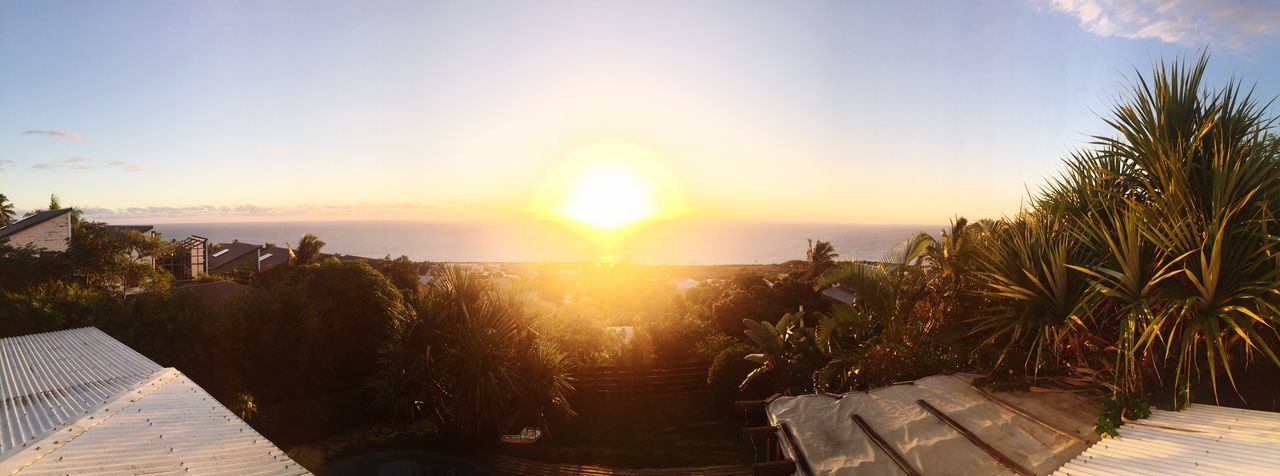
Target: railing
{"points": [[641, 381]]}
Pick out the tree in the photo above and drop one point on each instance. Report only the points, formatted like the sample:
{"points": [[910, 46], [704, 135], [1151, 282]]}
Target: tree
{"points": [[821, 256], [471, 361], [119, 262], [1158, 243], [308, 250], [7, 212], [402, 272]]}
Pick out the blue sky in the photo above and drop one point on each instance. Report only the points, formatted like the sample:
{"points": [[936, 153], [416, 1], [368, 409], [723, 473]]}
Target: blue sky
{"points": [[866, 112]]}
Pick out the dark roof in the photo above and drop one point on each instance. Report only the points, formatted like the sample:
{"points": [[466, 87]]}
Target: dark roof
{"points": [[277, 256], [137, 228], [233, 252], [33, 220]]}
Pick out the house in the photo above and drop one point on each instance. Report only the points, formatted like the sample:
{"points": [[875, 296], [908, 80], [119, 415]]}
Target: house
{"points": [[273, 256], [840, 294], [235, 256], [189, 260], [80, 402], [244, 257], [686, 284], [48, 230]]}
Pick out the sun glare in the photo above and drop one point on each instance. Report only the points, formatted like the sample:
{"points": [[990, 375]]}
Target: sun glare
{"points": [[608, 190], [609, 197]]}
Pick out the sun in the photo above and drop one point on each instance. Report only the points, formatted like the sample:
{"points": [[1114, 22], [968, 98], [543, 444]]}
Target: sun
{"points": [[609, 190], [608, 197]]}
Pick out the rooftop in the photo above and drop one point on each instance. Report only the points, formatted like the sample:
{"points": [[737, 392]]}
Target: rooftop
{"points": [[80, 402], [936, 425], [1200, 439], [33, 220]]}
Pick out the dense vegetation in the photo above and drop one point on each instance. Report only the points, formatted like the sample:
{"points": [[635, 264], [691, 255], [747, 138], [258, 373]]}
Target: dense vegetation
{"points": [[321, 345], [1150, 267]]}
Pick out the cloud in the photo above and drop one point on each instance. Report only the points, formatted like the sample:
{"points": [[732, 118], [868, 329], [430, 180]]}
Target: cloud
{"points": [[78, 163], [5, 164], [198, 213], [275, 149], [61, 134], [1183, 22]]}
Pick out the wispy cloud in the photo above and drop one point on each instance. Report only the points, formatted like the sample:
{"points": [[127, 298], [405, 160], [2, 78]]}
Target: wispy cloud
{"points": [[60, 134], [5, 164], [259, 212], [78, 162], [1185, 22], [82, 162]]}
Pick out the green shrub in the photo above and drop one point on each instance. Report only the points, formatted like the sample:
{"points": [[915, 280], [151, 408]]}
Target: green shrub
{"points": [[727, 372]]}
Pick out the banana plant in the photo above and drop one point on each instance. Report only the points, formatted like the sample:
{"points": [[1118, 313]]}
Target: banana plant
{"points": [[788, 352]]}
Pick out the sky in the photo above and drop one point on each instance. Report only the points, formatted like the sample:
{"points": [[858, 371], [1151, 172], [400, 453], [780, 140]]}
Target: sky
{"points": [[850, 112]]}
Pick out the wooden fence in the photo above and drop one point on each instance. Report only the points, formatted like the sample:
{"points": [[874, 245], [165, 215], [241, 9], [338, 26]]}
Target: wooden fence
{"points": [[641, 381]]}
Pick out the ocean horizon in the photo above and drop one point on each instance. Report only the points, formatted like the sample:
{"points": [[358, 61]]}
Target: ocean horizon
{"points": [[685, 242]]}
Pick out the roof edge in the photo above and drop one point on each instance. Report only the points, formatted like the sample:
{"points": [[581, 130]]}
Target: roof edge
{"points": [[59, 436]]}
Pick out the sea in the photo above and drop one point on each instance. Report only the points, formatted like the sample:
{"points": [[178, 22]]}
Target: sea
{"points": [[684, 242]]}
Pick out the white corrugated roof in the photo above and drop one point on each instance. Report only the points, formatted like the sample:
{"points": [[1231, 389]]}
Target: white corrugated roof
{"points": [[47, 380], [1201, 439], [78, 402], [823, 428]]}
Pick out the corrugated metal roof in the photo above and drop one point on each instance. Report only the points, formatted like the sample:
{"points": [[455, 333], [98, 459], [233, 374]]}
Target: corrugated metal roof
{"points": [[96, 406], [47, 380], [1037, 437], [1201, 439]]}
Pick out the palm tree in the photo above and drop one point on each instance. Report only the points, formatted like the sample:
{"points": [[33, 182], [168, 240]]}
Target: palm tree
{"points": [[471, 360], [308, 250], [1159, 242], [7, 212], [888, 290], [821, 256]]}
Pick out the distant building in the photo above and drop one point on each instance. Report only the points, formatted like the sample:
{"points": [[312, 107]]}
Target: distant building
{"points": [[686, 284], [48, 230], [189, 260], [80, 402], [840, 295], [228, 258], [145, 230], [244, 257], [273, 256]]}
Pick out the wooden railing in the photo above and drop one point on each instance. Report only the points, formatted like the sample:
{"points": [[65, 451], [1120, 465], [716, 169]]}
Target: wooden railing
{"points": [[641, 381]]}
